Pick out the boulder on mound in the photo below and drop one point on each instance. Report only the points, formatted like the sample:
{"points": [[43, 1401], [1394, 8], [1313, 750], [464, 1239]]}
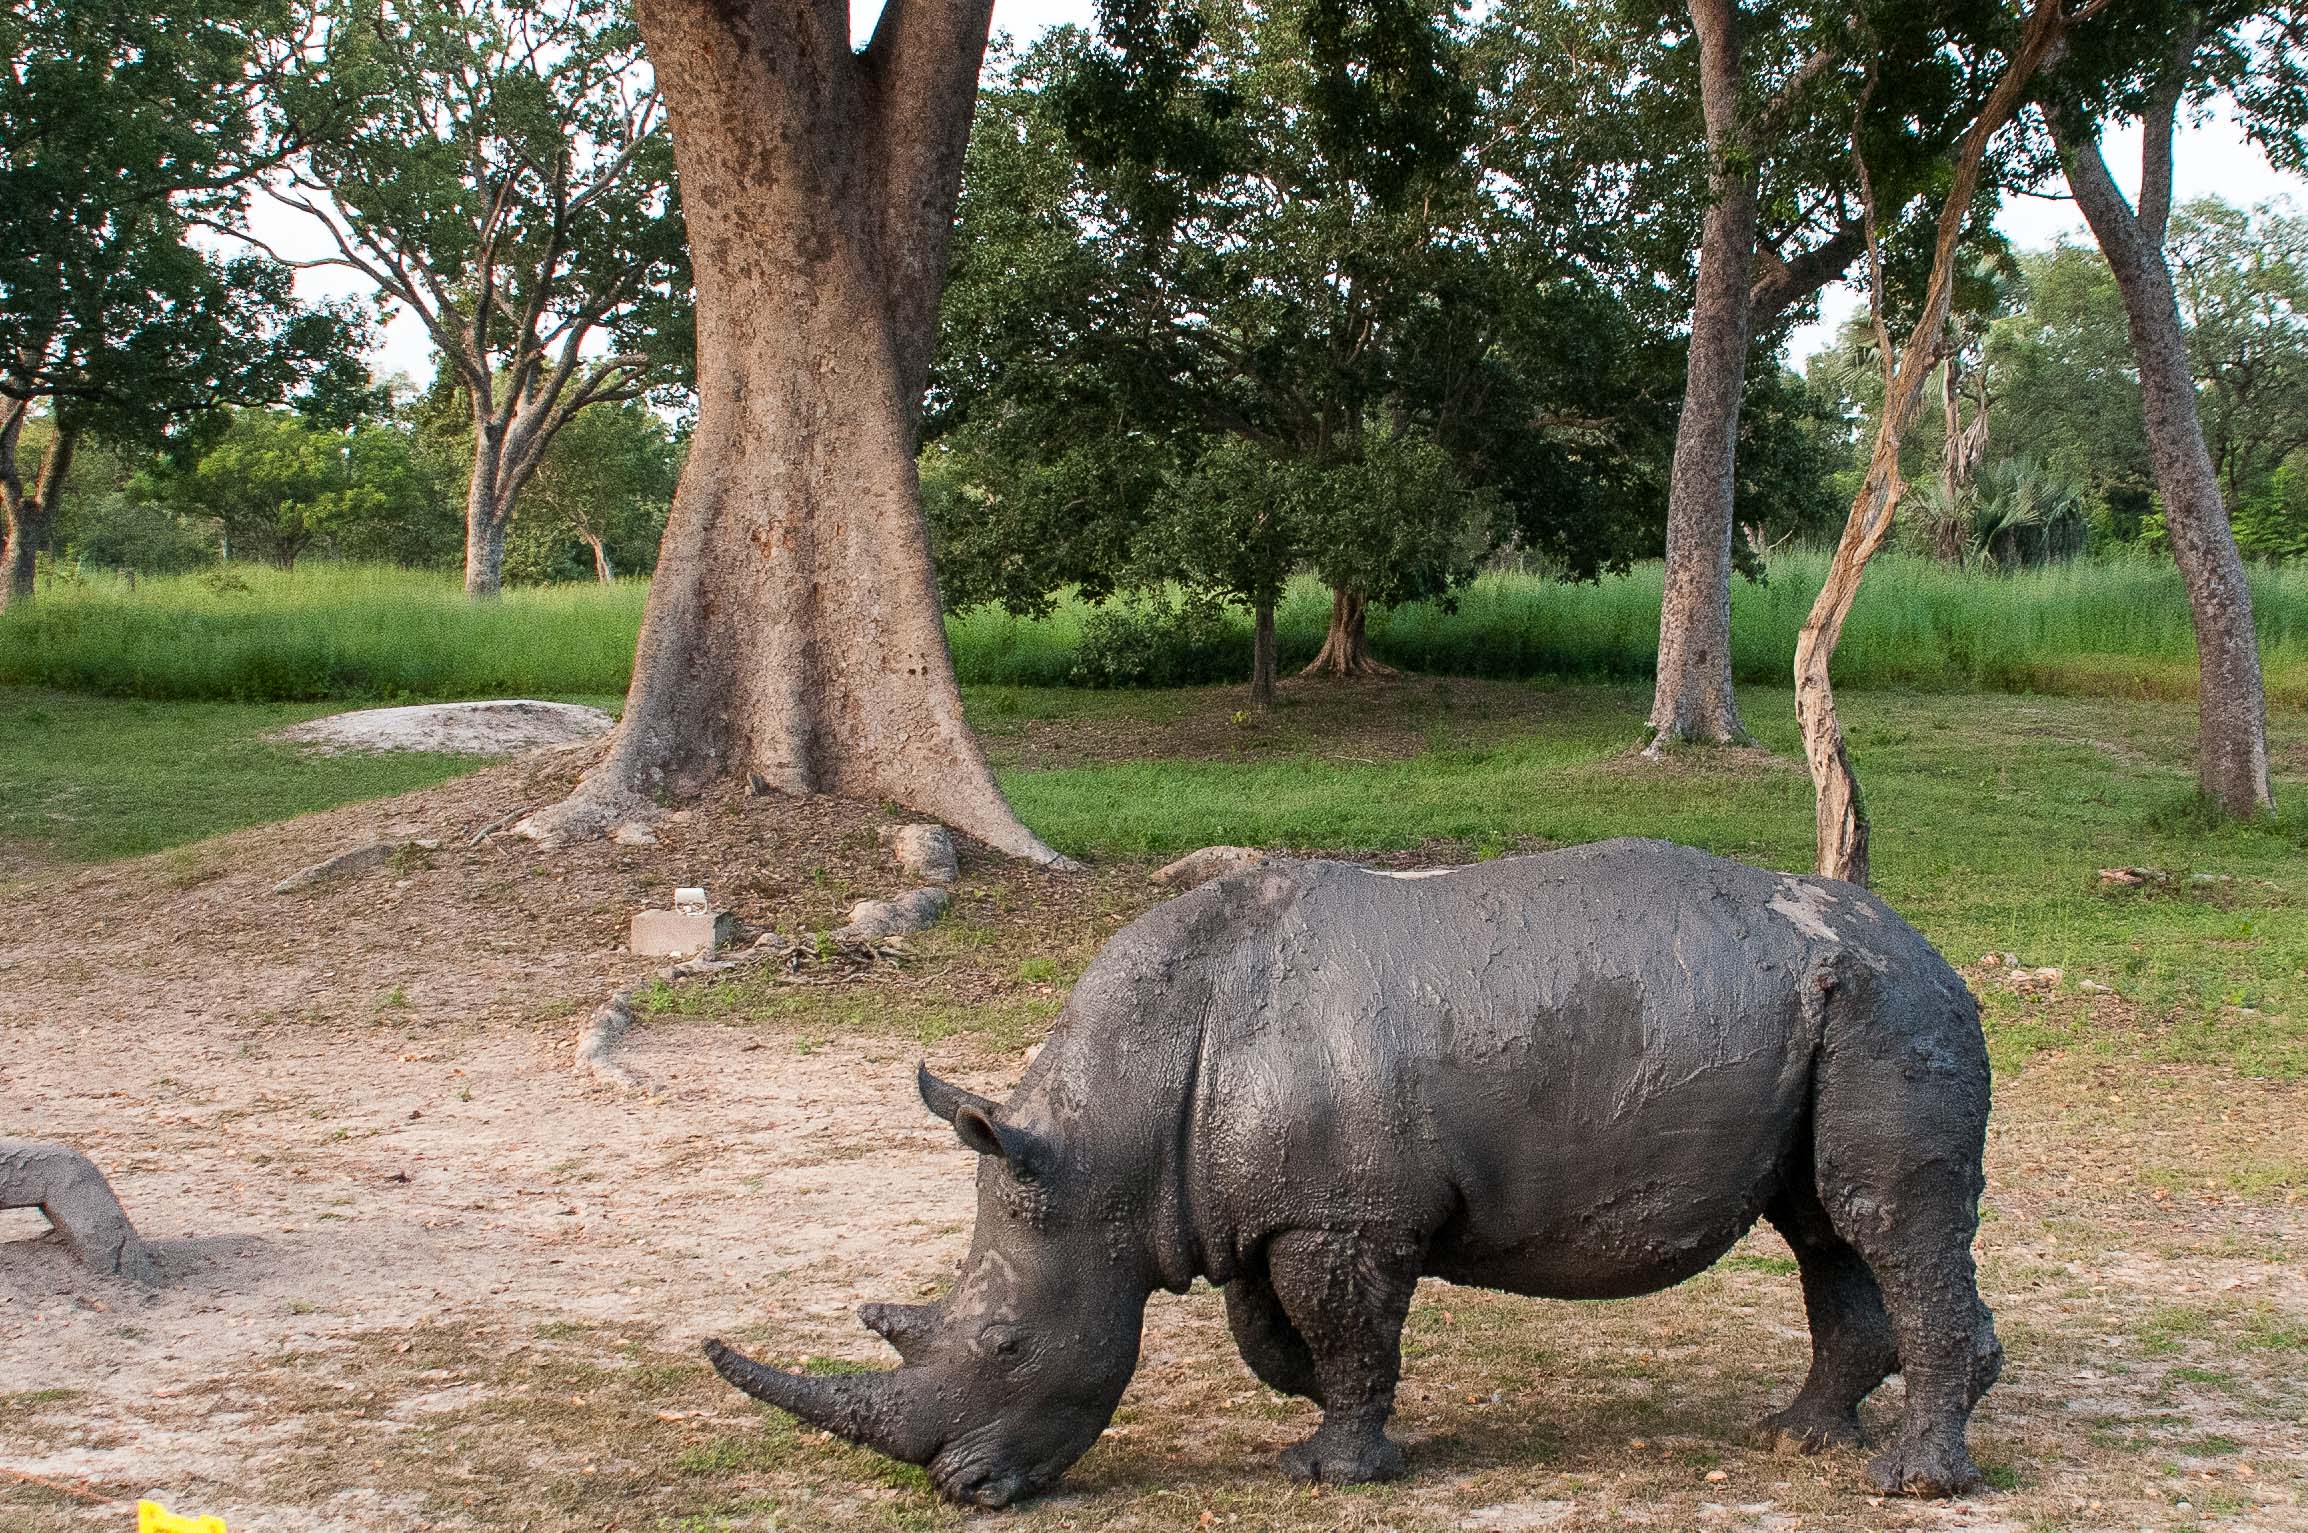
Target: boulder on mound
{"points": [[502, 728]]}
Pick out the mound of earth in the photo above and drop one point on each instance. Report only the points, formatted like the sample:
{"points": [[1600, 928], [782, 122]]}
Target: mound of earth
{"points": [[501, 728]]}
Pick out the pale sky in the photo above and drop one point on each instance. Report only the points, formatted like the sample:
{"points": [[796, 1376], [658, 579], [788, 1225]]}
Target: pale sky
{"points": [[2212, 160]]}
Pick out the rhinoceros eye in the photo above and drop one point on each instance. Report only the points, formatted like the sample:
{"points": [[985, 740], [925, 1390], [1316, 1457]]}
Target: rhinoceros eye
{"points": [[1002, 1341]]}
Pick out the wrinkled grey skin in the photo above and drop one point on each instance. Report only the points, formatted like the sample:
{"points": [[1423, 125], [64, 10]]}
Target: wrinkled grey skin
{"points": [[1580, 1075]]}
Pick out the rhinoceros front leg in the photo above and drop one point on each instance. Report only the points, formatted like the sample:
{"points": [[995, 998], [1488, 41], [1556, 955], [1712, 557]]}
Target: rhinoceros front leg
{"points": [[1347, 1295], [1269, 1343]]}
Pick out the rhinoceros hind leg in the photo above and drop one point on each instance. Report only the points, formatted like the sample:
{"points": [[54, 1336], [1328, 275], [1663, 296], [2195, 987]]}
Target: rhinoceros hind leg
{"points": [[1269, 1343], [1852, 1349], [1899, 1130], [1347, 1296]]}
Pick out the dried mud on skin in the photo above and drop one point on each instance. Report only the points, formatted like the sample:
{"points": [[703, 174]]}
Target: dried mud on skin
{"points": [[421, 1275]]}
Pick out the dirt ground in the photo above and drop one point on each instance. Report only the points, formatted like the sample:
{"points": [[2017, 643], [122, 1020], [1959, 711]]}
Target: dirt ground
{"points": [[422, 1274]]}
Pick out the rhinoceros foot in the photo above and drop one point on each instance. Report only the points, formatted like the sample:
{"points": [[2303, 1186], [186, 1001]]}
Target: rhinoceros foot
{"points": [[1923, 1467], [1342, 1455], [1808, 1429]]}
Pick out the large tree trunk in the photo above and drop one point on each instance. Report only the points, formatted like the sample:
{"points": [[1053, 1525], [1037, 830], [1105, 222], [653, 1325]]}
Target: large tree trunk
{"points": [[2231, 711], [26, 514], [487, 512], [1693, 699], [1839, 811], [793, 629], [1262, 658], [1346, 647]]}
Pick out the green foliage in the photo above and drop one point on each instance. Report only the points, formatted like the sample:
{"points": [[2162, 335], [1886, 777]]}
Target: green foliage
{"points": [[275, 482], [1154, 640], [598, 503], [123, 128], [1233, 295]]}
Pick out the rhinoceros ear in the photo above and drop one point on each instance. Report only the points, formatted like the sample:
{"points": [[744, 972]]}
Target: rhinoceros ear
{"points": [[988, 1135], [945, 1098]]}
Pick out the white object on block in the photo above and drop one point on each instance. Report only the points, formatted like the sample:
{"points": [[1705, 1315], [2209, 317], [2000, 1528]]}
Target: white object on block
{"points": [[690, 901]]}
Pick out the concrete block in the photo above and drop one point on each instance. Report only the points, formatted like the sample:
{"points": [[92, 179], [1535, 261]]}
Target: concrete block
{"points": [[681, 933]]}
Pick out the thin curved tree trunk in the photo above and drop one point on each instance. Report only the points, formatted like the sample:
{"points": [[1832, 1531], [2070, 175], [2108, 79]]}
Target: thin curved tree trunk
{"points": [[1840, 810], [1693, 699], [793, 629], [601, 569], [2231, 707], [1346, 646]]}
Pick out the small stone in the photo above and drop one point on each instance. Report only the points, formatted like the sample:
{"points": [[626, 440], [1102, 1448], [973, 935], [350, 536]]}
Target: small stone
{"points": [[1716, 1476], [633, 833]]}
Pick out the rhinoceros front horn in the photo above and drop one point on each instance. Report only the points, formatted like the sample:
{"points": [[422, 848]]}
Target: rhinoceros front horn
{"points": [[881, 1411], [945, 1098]]}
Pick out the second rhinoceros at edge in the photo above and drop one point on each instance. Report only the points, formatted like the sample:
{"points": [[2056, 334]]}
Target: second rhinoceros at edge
{"points": [[1579, 1075]]}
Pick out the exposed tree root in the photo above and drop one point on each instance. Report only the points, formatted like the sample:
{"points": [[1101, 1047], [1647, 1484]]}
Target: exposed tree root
{"points": [[605, 1030], [66, 1186]]}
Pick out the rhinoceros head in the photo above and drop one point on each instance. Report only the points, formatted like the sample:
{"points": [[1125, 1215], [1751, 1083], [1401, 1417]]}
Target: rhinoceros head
{"points": [[1014, 1374]]}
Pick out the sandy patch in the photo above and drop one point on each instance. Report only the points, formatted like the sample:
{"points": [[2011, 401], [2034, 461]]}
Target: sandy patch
{"points": [[502, 728]]}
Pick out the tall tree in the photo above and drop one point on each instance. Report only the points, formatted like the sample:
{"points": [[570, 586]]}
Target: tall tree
{"points": [[121, 127], [2008, 68], [793, 630], [501, 171], [2184, 52], [1778, 85]]}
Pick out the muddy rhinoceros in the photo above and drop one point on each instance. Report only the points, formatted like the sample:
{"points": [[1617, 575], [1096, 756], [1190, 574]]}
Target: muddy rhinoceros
{"points": [[1580, 1075]]}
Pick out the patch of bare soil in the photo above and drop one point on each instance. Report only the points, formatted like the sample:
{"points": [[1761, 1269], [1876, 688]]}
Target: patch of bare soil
{"points": [[423, 1275], [1369, 720]]}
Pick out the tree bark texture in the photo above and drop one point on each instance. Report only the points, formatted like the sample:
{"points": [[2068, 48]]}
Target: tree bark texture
{"points": [[1693, 699], [1262, 659], [2231, 708], [1840, 811], [488, 512], [27, 513], [793, 627], [1346, 647]]}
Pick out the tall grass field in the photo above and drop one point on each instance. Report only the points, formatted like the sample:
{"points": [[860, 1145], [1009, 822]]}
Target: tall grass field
{"points": [[380, 635]]}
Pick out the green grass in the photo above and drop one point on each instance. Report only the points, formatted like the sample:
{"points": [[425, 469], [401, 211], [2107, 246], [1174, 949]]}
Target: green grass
{"points": [[1991, 817], [352, 632], [83, 778]]}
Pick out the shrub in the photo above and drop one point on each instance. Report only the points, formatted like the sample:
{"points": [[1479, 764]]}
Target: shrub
{"points": [[1157, 641]]}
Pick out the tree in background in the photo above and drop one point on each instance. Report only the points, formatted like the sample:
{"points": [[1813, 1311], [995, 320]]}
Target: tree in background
{"points": [[793, 632], [276, 483], [603, 489], [2161, 56], [1233, 295], [502, 172], [2006, 69], [120, 129]]}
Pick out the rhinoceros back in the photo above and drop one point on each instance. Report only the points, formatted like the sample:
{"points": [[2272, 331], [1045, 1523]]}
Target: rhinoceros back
{"points": [[1578, 1074]]}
